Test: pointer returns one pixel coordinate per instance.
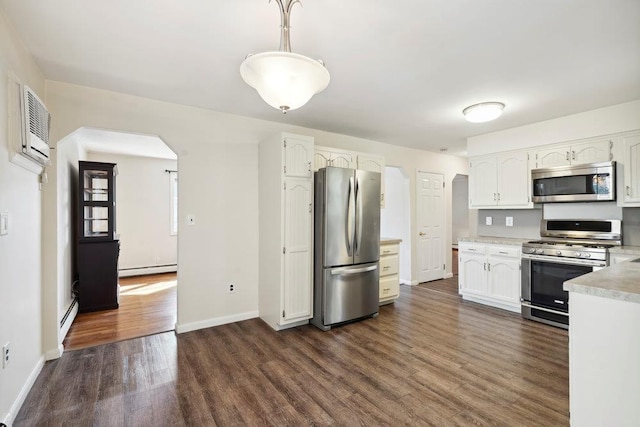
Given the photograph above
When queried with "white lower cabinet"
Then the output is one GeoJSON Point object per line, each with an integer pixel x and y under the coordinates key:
{"type": "Point", "coordinates": [389, 271]}
{"type": "Point", "coordinates": [490, 274]}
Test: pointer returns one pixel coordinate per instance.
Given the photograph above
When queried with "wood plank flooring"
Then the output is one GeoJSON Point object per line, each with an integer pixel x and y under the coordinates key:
{"type": "Point", "coordinates": [147, 306]}
{"type": "Point", "coordinates": [427, 359]}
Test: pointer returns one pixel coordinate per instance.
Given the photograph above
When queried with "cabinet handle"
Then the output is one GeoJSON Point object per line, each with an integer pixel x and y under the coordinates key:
{"type": "Point", "coordinates": [498, 196]}
{"type": "Point", "coordinates": [628, 190]}
{"type": "Point", "coordinates": [573, 155]}
{"type": "Point", "coordinates": [472, 250]}
{"type": "Point", "coordinates": [485, 266]}
{"type": "Point", "coordinates": [386, 267]}
{"type": "Point", "coordinates": [386, 252]}
{"type": "Point", "coordinates": [494, 196]}
{"type": "Point", "coordinates": [489, 266]}
{"type": "Point", "coordinates": [503, 253]}
{"type": "Point", "coordinates": [567, 156]}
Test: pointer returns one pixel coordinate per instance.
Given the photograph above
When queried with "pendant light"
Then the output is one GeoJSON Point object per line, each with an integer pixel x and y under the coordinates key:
{"type": "Point", "coordinates": [285, 80]}
{"type": "Point", "coordinates": [483, 112]}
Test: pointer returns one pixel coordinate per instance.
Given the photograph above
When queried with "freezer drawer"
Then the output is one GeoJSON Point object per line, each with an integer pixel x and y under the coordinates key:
{"type": "Point", "coordinates": [350, 292]}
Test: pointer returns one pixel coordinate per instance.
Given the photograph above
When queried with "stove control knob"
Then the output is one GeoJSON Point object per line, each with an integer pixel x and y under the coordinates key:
{"type": "Point", "coordinates": [539, 251]}
{"type": "Point", "coordinates": [587, 255]}
{"type": "Point", "coordinates": [578, 254]}
{"type": "Point", "coordinates": [558, 253]}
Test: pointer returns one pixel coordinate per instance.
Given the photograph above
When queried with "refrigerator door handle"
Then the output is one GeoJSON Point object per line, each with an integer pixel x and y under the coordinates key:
{"type": "Point", "coordinates": [350, 217]}
{"type": "Point", "coordinates": [358, 239]}
{"type": "Point", "coordinates": [350, 270]}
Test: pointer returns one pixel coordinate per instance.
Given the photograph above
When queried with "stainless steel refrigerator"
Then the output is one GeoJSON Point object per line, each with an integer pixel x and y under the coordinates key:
{"type": "Point", "coordinates": [347, 245]}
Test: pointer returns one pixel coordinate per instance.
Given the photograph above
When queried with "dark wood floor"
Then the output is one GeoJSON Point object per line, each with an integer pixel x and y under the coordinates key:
{"type": "Point", "coordinates": [428, 359]}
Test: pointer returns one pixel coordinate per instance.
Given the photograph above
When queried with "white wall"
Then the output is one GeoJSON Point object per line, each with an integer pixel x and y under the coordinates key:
{"type": "Point", "coordinates": [218, 162]}
{"type": "Point", "coordinates": [20, 250]}
{"type": "Point", "coordinates": [395, 217]}
{"type": "Point", "coordinates": [143, 206]}
{"type": "Point", "coordinates": [603, 121]}
{"type": "Point", "coordinates": [460, 208]}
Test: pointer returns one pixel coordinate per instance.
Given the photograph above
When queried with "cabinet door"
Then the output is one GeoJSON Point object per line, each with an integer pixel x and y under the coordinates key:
{"type": "Point", "coordinates": [389, 287]}
{"type": "Point", "coordinates": [343, 160]}
{"type": "Point", "coordinates": [321, 159]}
{"type": "Point", "coordinates": [504, 279]}
{"type": "Point", "coordinates": [483, 185]}
{"type": "Point", "coordinates": [298, 232]}
{"type": "Point", "coordinates": [297, 157]}
{"type": "Point", "coordinates": [591, 152]}
{"type": "Point", "coordinates": [472, 276]}
{"type": "Point", "coordinates": [373, 164]}
{"type": "Point", "coordinates": [513, 179]}
{"type": "Point", "coordinates": [631, 169]}
{"type": "Point", "coordinates": [554, 156]}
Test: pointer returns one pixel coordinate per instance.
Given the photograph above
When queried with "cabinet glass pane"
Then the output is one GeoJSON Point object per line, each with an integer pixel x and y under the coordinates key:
{"type": "Point", "coordinates": [96, 221]}
{"type": "Point", "coordinates": [96, 186]}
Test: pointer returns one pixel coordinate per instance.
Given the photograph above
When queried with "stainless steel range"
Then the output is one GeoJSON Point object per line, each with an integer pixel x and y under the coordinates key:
{"type": "Point", "coordinates": [568, 249]}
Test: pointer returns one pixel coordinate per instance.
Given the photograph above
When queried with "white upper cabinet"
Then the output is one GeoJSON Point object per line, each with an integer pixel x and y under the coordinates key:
{"type": "Point", "coordinates": [593, 151]}
{"type": "Point", "coordinates": [631, 164]}
{"type": "Point", "coordinates": [500, 181]}
{"type": "Point", "coordinates": [372, 163]}
{"type": "Point", "coordinates": [324, 157]}
{"type": "Point", "coordinates": [298, 155]}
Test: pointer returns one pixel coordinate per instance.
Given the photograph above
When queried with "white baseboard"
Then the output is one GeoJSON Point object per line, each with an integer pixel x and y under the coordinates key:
{"type": "Point", "coordinates": [216, 321]}
{"type": "Point", "coordinates": [10, 417]}
{"type": "Point", "coordinates": [448, 276]}
{"type": "Point", "coordinates": [147, 270]}
{"type": "Point", "coordinates": [55, 353]}
{"type": "Point", "coordinates": [405, 282]}
{"type": "Point", "coordinates": [414, 283]}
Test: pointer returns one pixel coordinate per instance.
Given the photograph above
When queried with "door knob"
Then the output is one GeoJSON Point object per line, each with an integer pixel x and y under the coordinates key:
{"type": "Point", "coordinates": [422, 234]}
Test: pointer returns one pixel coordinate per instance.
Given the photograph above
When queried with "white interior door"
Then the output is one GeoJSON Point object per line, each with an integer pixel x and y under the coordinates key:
{"type": "Point", "coordinates": [430, 225]}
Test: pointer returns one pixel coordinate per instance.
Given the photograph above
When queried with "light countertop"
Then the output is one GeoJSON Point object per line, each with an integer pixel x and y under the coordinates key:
{"type": "Point", "coordinates": [620, 281]}
{"type": "Point", "coordinates": [389, 240]}
{"type": "Point", "coordinates": [625, 249]}
{"type": "Point", "coordinates": [494, 240]}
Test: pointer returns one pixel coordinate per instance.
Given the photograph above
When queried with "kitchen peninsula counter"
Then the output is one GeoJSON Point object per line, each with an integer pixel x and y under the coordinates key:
{"type": "Point", "coordinates": [604, 349]}
{"type": "Point", "coordinates": [620, 282]}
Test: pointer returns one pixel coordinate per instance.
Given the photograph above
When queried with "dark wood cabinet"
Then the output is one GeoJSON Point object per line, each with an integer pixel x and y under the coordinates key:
{"type": "Point", "coordinates": [98, 247]}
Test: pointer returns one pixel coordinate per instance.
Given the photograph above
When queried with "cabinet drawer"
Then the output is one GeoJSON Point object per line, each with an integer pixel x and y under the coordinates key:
{"type": "Point", "coordinates": [389, 286]}
{"type": "Point", "coordinates": [474, 248]}
{"type": "Point", "coordinates": [388, 265]}
{"type": "Point", "coordinates": [508, 251]}
{"type": "Point", "coordinates": [389, 249]}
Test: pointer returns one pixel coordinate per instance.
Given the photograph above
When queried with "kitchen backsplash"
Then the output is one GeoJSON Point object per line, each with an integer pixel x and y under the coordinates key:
{"type": "Point", "coordinates": [526, 223]}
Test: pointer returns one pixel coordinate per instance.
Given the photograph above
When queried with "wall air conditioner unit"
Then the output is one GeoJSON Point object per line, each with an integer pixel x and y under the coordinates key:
{"type": "Point", "coordinates": [36, 122]}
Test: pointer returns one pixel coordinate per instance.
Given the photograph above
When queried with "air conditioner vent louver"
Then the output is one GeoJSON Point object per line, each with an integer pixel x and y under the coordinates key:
{"type": "Point", "coordinates": [39, 118]}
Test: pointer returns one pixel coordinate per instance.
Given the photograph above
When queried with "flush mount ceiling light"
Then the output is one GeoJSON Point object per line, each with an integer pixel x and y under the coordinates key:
{"type": "Point", "coordinates": [483, 112]}
{"type": "Point", "coordinates": [285, 80]}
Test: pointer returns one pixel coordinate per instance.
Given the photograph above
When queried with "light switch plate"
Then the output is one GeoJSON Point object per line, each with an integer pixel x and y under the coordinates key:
{"type": "Point", "coordinates": [488, 220]}
{"type": "Point", "coordinates": [509, 221]}
{"type": "Point", "coordinates": [4, 223]}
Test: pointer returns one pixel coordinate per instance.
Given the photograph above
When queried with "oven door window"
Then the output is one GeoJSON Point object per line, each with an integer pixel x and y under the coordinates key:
{"type": "Point", "coordinates": [547, 278]}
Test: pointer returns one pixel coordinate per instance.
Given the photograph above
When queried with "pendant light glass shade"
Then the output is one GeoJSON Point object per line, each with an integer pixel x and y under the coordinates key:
{"type": "Point", "coordinates": [483, 112]}
{"type": "Point", "coordinates": [285, 80]}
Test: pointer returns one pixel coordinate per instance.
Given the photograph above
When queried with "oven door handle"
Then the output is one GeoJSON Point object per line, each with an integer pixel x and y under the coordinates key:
{"type": "Point", "coordinates": [526, 304]}
{"type": "Point", "coordinates": [560, 260]}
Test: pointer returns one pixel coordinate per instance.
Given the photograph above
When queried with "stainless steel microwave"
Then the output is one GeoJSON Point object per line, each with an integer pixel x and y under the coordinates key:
{"type": "Point", "coordinates": [595, 182]}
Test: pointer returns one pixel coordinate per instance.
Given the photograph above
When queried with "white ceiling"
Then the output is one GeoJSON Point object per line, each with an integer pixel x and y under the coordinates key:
{"type": "Point", "coordinates": [401, 71]}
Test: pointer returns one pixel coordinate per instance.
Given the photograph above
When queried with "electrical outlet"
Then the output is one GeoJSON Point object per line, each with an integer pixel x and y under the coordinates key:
{"type": "Point", "coordinates": [5, 355]}
{"type": "Point", "coordinates": [191, 219]}
{"type": "Point", "coordinates": [232, 288]}
{"type": "Point", "coordinates": [488, 220]}
{"type": "Point", "coordinates": [509, 221]}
